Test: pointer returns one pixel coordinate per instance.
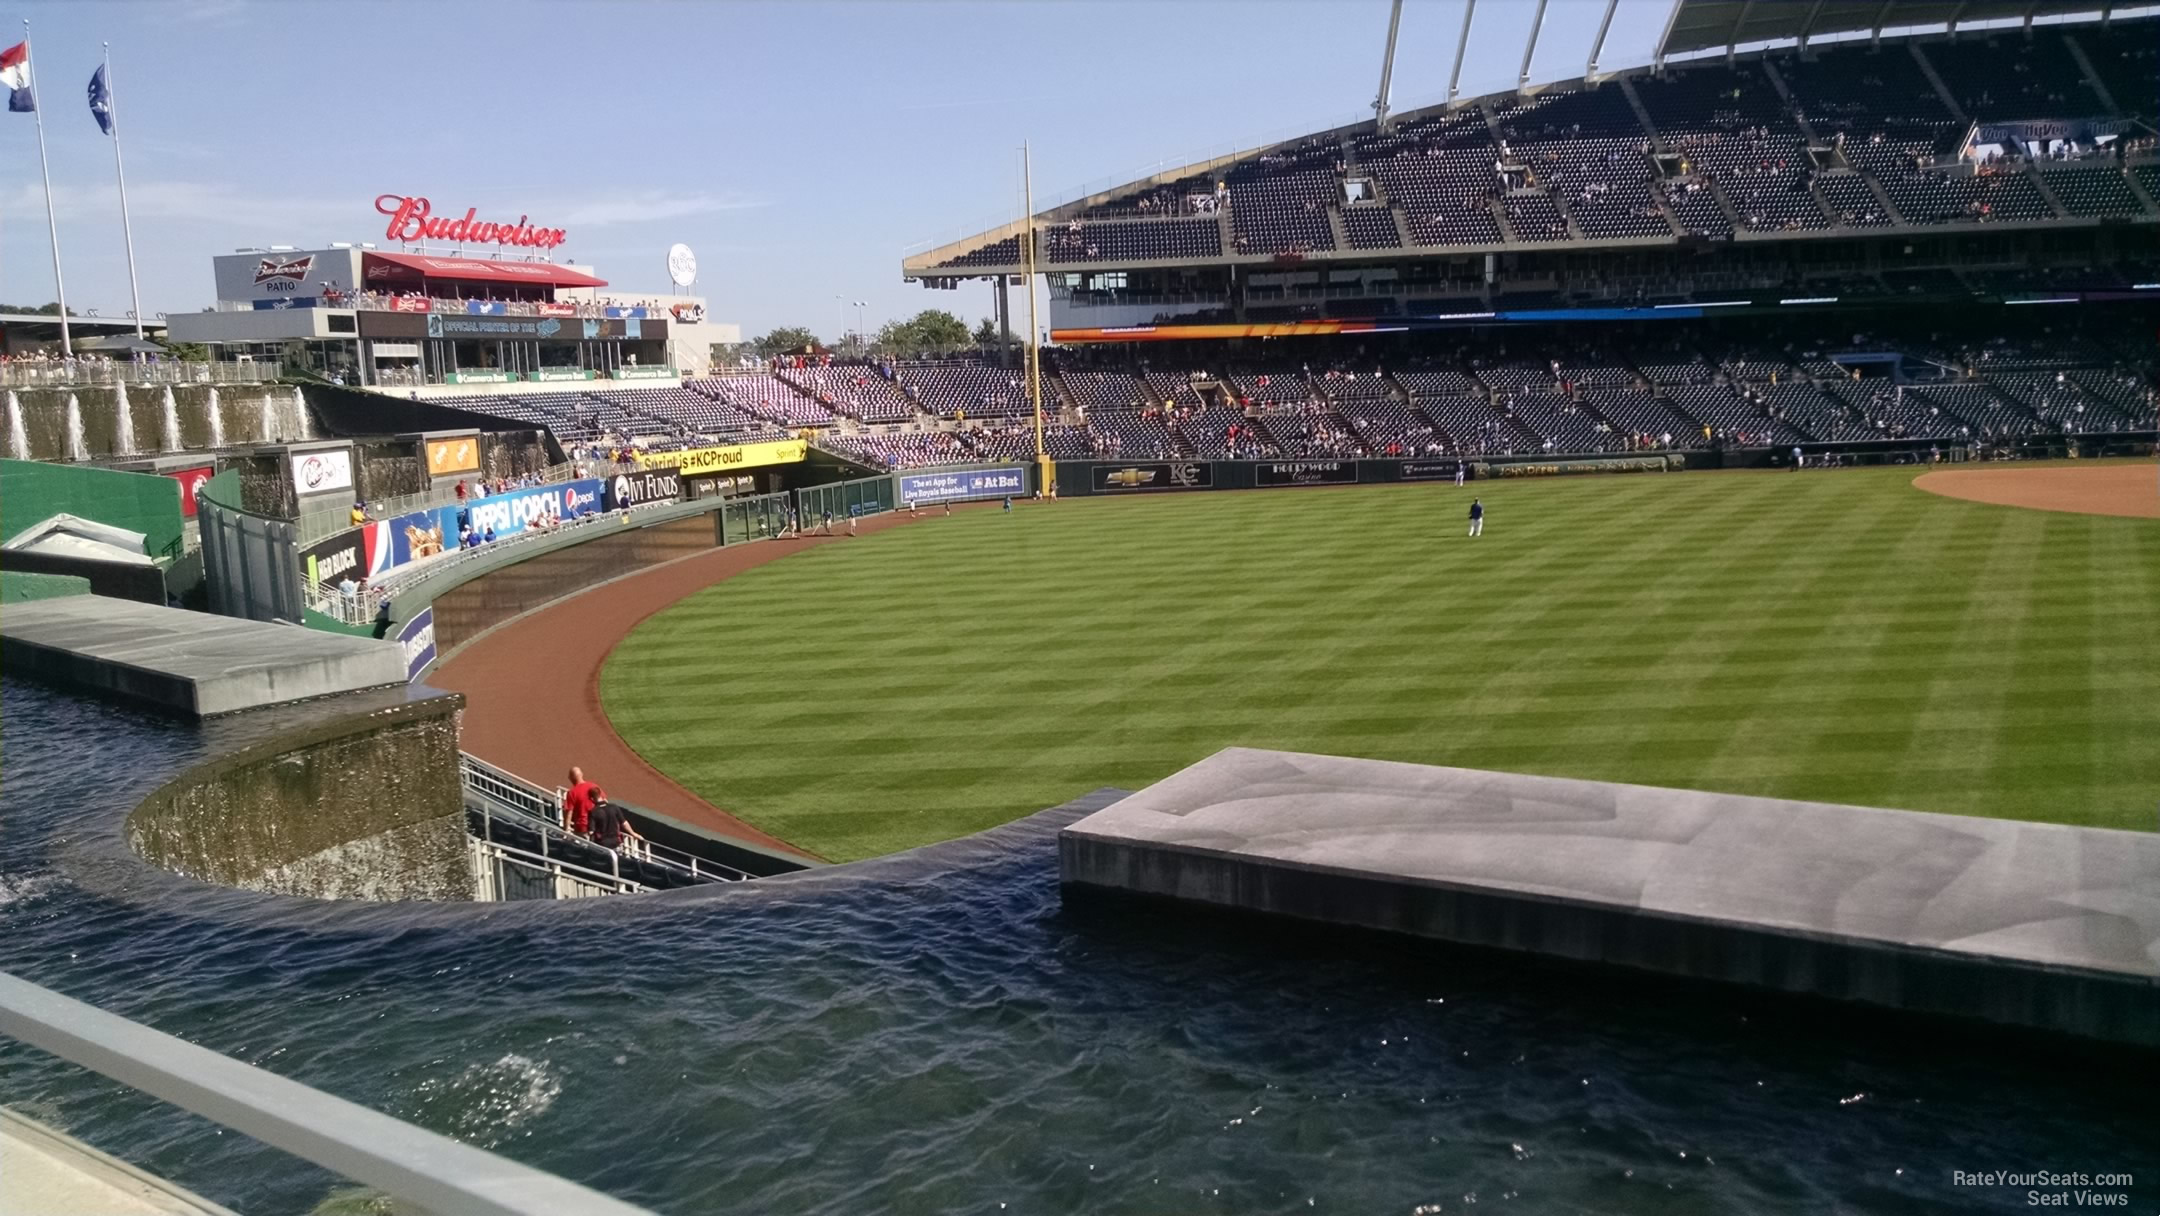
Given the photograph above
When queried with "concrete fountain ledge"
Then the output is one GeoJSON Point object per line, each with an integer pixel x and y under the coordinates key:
{"type": "Point", "coordinates": [188, 662]}
{"type": "Point", "coordinates": [2026, 924]}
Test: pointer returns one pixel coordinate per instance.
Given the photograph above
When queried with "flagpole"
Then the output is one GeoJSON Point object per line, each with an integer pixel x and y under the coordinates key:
{"type": "Point", "coordinates": [127, 226]}
{"type": "Point", "coordinates": [52, 225]}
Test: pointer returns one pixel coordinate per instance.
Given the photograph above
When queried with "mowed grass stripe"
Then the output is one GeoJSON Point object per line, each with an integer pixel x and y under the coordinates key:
{"type": "Point", "coordinates": [1841, 637]}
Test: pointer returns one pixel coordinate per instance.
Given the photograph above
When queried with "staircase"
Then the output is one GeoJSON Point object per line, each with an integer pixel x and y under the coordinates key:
{"type": "Point", "coordinates": [1941, 90]}
{"type": "Point", "coordinates": [1642, 113]}
{"type": "Point", "coordinates": [2039, 181]}
{"type": "Point", "coordinates": [2092, 78]}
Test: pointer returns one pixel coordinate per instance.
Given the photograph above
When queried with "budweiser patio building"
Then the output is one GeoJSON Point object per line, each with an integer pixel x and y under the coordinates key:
{"type": "Point", "coordinates": [464, 301]}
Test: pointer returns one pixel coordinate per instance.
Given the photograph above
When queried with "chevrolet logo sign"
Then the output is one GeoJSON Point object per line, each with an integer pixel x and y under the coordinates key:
{"type": "Point", "coordinates": [1132, 477]}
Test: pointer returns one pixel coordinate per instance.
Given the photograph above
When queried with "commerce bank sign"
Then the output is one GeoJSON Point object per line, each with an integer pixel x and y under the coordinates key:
{"type": "Point", "coordinates": [413, 218]}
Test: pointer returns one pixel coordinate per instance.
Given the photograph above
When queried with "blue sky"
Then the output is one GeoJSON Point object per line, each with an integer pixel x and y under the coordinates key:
{"type": "Point", "coordinates": [800, 148]}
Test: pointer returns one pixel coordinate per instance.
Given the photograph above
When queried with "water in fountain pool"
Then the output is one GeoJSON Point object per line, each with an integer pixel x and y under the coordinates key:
{"type": "Point", "coordinates": [952, 1038]}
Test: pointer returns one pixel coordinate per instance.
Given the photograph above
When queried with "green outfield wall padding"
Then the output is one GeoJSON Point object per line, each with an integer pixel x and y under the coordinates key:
{"type": "Point", "coordinates": [32, 492]}
{"type": "Point", "coordinates": [21, 587]}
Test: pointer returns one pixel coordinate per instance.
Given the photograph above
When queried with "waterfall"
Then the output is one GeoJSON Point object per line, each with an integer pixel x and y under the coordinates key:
{"type": "Point", "coordinates": [304, 427]}
{"type": "Point", "coordinates": [123, 422]}
{"type": "Point", "coordinates": [169, 425]}
{"type": "Point", "coordinates": [76, 449]}
{"type": "Point", "coordinates": [18, 439]}
{"type": "Point", "coordinates": [266, 419]}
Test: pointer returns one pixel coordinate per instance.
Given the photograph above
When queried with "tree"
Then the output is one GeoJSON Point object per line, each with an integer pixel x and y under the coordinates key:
{"type": "Point", "coordinates": [787, 340]}
{"type": "Point", "coordinates": [933, 331]}
{"type": "Point", "coordinates": [187, 352]}
{"type": "Point", "coordinates": [42, 310]}
{"type": "Point", "coordinates": [939, 332]}
{"type": "Point", "coordinates": [987, 336]}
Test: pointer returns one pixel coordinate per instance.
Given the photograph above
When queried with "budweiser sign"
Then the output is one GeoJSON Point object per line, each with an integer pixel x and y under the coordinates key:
{"type": "Point", "coordinates": [283, 271]}
{"type": "Point", "coordinates": [413, 219]}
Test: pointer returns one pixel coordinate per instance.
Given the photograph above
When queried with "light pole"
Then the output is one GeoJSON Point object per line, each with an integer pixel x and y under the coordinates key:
{"type": "Point", "coordinates": [861, 336]}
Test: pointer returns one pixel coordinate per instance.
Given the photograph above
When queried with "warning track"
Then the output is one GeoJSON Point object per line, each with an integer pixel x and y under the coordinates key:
{"type": "Point", "coordinates": [532, 686]}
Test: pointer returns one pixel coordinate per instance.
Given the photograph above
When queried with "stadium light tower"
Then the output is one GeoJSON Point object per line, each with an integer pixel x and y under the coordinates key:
{"type": "Point", "coordinates": [1387, 70]}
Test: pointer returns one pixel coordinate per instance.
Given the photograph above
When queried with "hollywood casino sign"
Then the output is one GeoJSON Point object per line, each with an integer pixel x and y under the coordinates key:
{"type": "Point", "coordinates": [412, 219]}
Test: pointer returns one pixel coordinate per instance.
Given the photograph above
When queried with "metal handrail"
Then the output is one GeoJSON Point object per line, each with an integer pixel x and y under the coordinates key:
{"type": "Point", "coordinates": [414, 1165]}
{"type": "Point", "coordinates": [608, 884]}
{"type": "Point", "coordinates": [514, 795]}
{"type": "Point", "coordinates": [32, 373]}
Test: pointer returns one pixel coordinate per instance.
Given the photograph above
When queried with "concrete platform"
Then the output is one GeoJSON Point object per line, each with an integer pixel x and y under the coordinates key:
{"type": "Point", "coordinates": [2025, 924]}
{"type": "Point", "coordinates": [53, 1174]}
{"type": "Point", "coordinates": [189, 662]}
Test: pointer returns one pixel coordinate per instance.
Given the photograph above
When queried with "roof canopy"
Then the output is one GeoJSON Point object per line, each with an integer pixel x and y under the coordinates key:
{"type": "Point", "coordinates": [413, 267]}
{"type": "Point", "coordinates": [1701, 25]}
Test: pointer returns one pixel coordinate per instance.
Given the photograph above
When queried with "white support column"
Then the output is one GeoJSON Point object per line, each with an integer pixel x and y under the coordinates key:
{"type": "Point", "coordinates": [1598, 46]}
{"type": "Point", "coordinates": [1462, 43]}
{"type": "Point", "coordinates": [1537, 23]}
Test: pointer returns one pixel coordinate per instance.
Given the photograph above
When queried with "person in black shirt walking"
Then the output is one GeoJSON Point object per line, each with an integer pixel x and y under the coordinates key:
{"type": "Point", "coordinates": [611, 828]}
{"type": "Point", "coordinates": [1477, 518]}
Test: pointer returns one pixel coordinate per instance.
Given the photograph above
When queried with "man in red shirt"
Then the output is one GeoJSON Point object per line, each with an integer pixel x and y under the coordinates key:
{"type": "Point", "coordinates": [578, 802]}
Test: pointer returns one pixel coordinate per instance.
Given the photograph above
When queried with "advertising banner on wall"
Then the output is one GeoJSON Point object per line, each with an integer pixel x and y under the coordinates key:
{"type": "Point", "coordinates": [626, 490]}
{"type": "Point", "coordinates": [418, 639]}
{"type": "Point", "coordinates": [355, 553]}
{"type": "Point", "coordinates": [448, 456]}
{"type": "Point", "coordinates": [696, 462]}
{"type": "Point", "coordinates": [441, 326]}
{"type": "Point", "coordinates": [1182, 475]}
{"type": "Point", "coordinates": [1429, 470]}
{"type": "Point", "coordinates": [422, 534]}
{"type": "Point", "coordinates": [1305, 473]}
{"type": "Point", "coordinates": [965, 484]}
{"type": "Point", "coordinates": [323, 472]}
{"type": "Point", "coordinates": [190, 481]}
{"type": "Point", "coordinates": [512, 513]}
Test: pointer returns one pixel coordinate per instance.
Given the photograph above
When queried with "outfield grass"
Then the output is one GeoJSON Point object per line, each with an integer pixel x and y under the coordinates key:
{"type": "Point", "coordinates": [1837, 636]}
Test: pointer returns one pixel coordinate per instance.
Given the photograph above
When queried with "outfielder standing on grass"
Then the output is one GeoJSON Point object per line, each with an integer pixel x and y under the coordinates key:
{"type": "Point", "coordinates": [1477, 517]}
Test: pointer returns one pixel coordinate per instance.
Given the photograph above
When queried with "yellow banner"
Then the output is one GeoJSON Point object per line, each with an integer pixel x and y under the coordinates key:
{"type": "Point", "coordinates": [697, 462]}
{"type": "Point", "coordinates": [446, 456]}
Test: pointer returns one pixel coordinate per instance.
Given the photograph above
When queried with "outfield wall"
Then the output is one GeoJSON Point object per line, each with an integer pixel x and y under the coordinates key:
{"type": "Point", "coordinates": [1084, 478]}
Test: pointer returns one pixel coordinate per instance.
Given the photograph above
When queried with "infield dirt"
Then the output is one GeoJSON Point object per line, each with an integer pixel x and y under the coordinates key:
{"type": "Point", "coordinates": [2111, 489]}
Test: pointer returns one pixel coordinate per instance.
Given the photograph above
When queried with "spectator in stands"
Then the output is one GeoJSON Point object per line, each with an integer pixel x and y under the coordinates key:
{"type": "Point", "coordinates": [579, 801]}
{"type": "Point", "coordinates": [611, 826]}
{"type": "Point", "coordinates": [359, 514]}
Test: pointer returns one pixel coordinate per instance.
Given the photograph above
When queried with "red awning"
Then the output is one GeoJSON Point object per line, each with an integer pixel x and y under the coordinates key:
{"type": "Point", "coordinates": [393, 267]}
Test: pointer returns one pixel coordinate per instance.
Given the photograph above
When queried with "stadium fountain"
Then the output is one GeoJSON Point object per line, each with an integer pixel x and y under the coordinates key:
{"type": "Point", "coordinates": [76, 448]}
{"type": "Point", "coordinates": [952, 1035]}
{"type": "Point", "coordinates": [303, 427]}
{"type": "Point", "coordinates": [123, 422]}
{"type": "Point", "coordinates": [169, 425]}
{"type": "Point", "coordinates": [266, 420]}
{"type": "Point", "coordinates": [18, 438]}
{"type": "Point", "coordinates": [217, 420]}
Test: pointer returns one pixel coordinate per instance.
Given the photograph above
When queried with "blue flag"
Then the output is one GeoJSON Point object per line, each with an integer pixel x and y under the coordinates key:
{"type": "Point", "coordinates": [101, 100]}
